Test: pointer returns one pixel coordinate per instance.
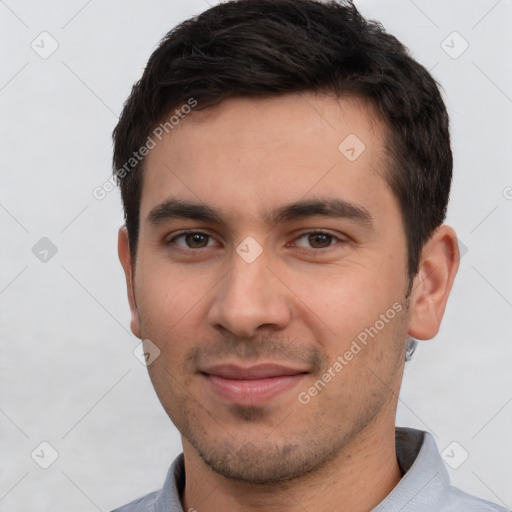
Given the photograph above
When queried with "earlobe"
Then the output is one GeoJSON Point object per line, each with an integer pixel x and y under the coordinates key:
{"type": "Point", "coordinates": [123, 249]}
{"type": "Point", "coordinates": [433, 283]}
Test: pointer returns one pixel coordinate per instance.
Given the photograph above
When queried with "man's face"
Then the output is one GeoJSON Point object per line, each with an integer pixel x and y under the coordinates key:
{"type": "Point", "coordinates": [267, 254]}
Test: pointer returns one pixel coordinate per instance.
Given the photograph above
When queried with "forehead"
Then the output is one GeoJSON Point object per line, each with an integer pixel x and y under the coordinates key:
{"type": "Point", "coordinates": [246, 154]}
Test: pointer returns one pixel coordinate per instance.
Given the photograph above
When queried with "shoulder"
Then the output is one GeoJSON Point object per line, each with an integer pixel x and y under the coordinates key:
{"type": "Point", "coordinates": [460, 501]}
{"type": "Point", "coordinates": [166, 499]}
{"type": "Point", "coordinates": [426, 485]}
{"type": "Point", "coordinates": [145, 504]}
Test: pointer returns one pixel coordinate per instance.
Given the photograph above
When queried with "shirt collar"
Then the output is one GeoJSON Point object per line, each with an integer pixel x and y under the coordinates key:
{"type": "Point", "coordinates": [425, 483]}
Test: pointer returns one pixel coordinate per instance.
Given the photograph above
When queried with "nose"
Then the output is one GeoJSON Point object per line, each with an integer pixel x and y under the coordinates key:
{"type": "Point", "coordinates": [250, 297]}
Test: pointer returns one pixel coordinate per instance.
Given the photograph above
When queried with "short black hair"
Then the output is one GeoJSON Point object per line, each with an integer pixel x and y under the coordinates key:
{"type": "Point", "coordinates": [272, 47]}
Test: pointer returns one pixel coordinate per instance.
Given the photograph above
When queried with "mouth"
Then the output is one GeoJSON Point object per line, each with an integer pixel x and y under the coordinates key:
{"type": "Point", "coordinates": [253, 385]}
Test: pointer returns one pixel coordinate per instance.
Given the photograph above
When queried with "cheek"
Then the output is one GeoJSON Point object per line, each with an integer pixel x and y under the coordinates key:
{"type": "Point", "coordinates": [347, 300]}
{"type": "Point", "coordinates": [169, 304]}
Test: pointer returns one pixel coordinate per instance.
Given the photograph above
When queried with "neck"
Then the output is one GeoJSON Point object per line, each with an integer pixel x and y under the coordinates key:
{"type": "Point", "coordinates": [358, 480]}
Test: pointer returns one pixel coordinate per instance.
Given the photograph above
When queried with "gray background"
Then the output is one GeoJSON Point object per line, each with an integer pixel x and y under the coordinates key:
{"type": "Point", "coordinates": [68, 373]}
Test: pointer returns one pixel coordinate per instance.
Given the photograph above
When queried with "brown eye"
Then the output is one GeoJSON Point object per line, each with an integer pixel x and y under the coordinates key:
{"type": "Point", "coordinates": [320, 240]}
{"type": "Point", "coordinates": [192, 240]}
{"type": "Point", "coordinates": [196, 240]}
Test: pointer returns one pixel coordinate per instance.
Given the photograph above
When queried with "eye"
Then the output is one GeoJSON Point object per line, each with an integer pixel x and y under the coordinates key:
{"type": "Point", "coordinates": [192, 240]}
{"type": "Point", "coordinates": [316, 240]}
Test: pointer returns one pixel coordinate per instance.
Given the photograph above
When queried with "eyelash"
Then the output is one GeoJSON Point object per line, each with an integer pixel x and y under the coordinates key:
{"type": "Point", "coordinates": [313, 232]}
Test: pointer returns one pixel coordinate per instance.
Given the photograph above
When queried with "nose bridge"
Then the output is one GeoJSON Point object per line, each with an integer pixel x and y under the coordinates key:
{"type": "Point", "coordinates": [249, 296]}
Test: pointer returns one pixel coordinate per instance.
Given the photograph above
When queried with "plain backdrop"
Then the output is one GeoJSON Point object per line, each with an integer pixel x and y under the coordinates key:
{"type": "Point", "coordinates": [69, 377]}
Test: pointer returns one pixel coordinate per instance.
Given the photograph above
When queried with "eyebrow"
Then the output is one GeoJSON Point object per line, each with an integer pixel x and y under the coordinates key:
{"type": "Point", "coordinates": [333, 208]}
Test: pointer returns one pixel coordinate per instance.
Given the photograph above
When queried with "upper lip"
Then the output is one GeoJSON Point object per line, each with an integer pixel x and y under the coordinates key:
{"type": "Point", "coordinates": [260, 371]}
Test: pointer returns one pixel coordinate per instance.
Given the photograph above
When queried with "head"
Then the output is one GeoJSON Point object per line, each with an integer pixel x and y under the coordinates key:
{"type": "Point", "coordinates": [286, 211]}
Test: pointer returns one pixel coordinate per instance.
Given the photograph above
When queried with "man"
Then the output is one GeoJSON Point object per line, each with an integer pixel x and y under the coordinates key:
{"type": "Point", "coordinates": [285, 169]}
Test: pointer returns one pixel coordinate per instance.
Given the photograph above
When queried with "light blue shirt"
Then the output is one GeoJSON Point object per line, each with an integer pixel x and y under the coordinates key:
{"type": "Point", "coordinates": [425, 486]}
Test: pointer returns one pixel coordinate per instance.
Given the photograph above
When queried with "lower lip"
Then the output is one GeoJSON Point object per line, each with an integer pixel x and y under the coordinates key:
{"type": "Point", "coordinates": [252, 392]}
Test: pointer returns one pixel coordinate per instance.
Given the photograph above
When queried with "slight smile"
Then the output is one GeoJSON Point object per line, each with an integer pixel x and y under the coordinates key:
{"type": "Point", "coordinates": [253, 385]}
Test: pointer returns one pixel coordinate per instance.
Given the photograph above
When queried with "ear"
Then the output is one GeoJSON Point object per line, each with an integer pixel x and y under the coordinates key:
{"type": "Point", "coordinates": [123, 249]}
{"type": "Point", "coordinates": [432, 285]}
